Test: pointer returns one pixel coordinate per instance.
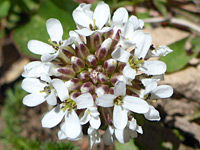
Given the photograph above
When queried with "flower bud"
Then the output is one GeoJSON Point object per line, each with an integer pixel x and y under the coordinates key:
{"type": "Point", "coordinates": [84, 76]}
{"type": "Point", "coordinates": [102, 78]}
{"type": "Point", "coordinates": [87, 87]}
{"type": "Point", "coordinates": [110, 66]}
{"type": "Point", "coordinates": [75, 94]}
{"type": "Point", "coordinates": [91, 60]}
{"type": "Point", "coordinates": [116, 77]}
{"type": "Point", "coordinates": [101, 89]}
{"type": "Point", "coordinates": [66, 52]}
{"type": "Point", "coordinates": [82, 51]}
{"type": "Point", "coordinates": [65, 72]}
{"type": "Point", "coordinates": [77, 64]}
{"type": "Point", "coordinates": [73, 84]}
{"type": "Point", "coordinates": [102, 52]}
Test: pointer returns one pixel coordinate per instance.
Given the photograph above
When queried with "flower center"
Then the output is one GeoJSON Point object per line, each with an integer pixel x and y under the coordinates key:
{"type": "Point", "coordinates": [69, 104]}
{"type": "Point", "coordinates": [135, 62]}
{"type": "Point", "coordinates": [118, 100]}
{"type": "Point", "coordinates": [93, 27]}
{"type": "Point", "coordinates": [47, 90]}
{"type": "Point", "coordinates": [54, 44]}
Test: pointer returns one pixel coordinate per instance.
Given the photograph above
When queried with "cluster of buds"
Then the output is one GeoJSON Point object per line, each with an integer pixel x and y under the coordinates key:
{"type": "Point", "coordinates": [101, 75]}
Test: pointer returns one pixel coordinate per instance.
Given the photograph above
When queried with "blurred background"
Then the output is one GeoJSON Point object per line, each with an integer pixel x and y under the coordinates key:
{"type": "Point", "coordinates": [175, 23]}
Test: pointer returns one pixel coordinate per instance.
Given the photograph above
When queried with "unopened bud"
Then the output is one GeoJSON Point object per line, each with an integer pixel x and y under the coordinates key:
{"type": "Point", "coordinates": [73, 84]}
{"type": "Point", "coordinates": [102, 78]}
{"type": "Point", "coordinates": [87, 87]}
{"type": "Point", "coordinates": [75, 94]}
{"type": "Point", "coordinates": [91, 60]}
{"type": "Point", "coordinates": [116, 77]}
{"type": "Point", "coordinates": [77, 64]}
{"type": "Point", "coordinates": [101, 89]}
{"type": "Point", "coordinates": [66, 52]}
{"type": "Point", "coordinates": [65, 72]}
{"type": "Point", "coordinates": [102, 52]}
{"type": "Point", "coordinates": [110, 66]}
{"type": "Point", "coordinates": [84, 76]}
{"type": "Point", "coordinates": [82, 51]}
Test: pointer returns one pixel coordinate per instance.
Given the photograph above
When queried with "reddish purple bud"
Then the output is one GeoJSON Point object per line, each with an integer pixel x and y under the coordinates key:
{"type": "Point", "coordinates": [75, 94]}
{"type": "Point", "coordinates": [82, 51]}
{"type": "Point", "coordinates": [87, 87]}
{"type": "Point", "coordinates": [110, 66]}
{"type": "Point", "coordinates": [66, 72]}
{"type": "Point", "coordinates": [121, 66]}
{"type": "Point", "coordinates": [97, 41]}
{"type": "Point", "coordinates": [73, 84]}
{"type": "Point", "coordinates": [77, 64]}
{"type": "Point", "coordinates": [114, 78]}
{"type": "Point", "coordinates": [102, 78]}
{"type": "Point", "coordinates": [84, 76]}
{"type": "Point", "coordinates": [101, 89]}
{"type": "Point", "coordinates": [91, 61]}
{"type": "Point", "coordinates": [102, 53]}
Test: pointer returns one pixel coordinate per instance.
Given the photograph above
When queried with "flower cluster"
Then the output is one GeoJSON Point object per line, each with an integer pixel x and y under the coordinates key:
{"type": "Point", "coordinates": [102, 75]}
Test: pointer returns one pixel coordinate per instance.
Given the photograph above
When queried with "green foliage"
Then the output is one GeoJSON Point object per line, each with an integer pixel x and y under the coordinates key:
{"type": "Point", "coordinates": [4, 8]}
{"type": "Point", "coordinates": [12, 116]}
{"type": "Point", "coordinates": [161, 6]}
{"type": "Point", "coordinates": [179, 58]}
{"type": "Point", "coordinates": [36, 27]}
{"type": "Point", "coordinates": [127, 146]}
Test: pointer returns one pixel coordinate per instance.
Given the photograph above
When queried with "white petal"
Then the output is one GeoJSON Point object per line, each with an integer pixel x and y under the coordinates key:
{"type": "Point", "coordinates": [135, 104]}
{"type": "Point", "coordinates": [53, 117]}
{"type": "Point", "coordinates": [120, 88]}
{"type": "Point", "coordinates": [122, 135]}
{"type": "Point", "coordinates": [128, 72]}
{"type": "Point", "coordinates": [95, 122]}
{"type": "Point", "coordinates": [93, 111]}
{"type": "Point", "coordinates": [84, 101]}
{"type": "Point", "coordinates": [105, 100]}
{"type": "Point", "coordinates": [161, 51]}
{"type": "Point", "coordinates": [132, 124]}
{"type": "Point", "coordinates": [38, 47]}
{"type": "Point", "coordinates": [81, 18]}
{"type": "Point", "coordinates": [47, 57]}
{"type": "Point", "coordinates": [128, 30]}
{"type": "Point", "coordinates": [32, 85]}
{"type": "Point", "coordinates": [61, 89]}
{"type": "Point", "coordinates": [51, 99]}
{"type": "Point", "coordinates": [85, 32]}
{"type": "Point", "coordinates": [152, 114]}
{"type": "Point", "coordinates": [139, 129]}
{"type": "Point", "coordinates": [153, 67]}
{"type": "Point", "coordinates": [120, 16]}
{"type": "Point", "coordinates": [61, 135]}
{"type": "Point", "coordinates": [108, 136]}
{"type": "Point", "coordinates": [54, 29]}
{"type": "Point", "coordinates": [162, 91]}
{"type": "Point", "coordinates": [121, 55]}
{"type": "Point", "coordinates": [85, 118]}
{"type": "Point", "coordinates": [150, 87]}
{"type": "Point", "coordinates": [35, 99]}
{"type": "Point", "coordinates": [120, 118]}
{"type": "Point", "coordinates": [101, 14]}
{"type": "Point", "coordinates": [143, 42]}
{"type": "Point", "coordinates": [72, 126]}
{"type": "Point", "coordinates": [105, 29]}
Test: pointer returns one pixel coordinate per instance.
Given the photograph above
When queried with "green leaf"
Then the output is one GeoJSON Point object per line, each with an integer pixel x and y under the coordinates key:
{"type": "Point", "coordinates": [160, 5]}
{"type": "Point", "coordinates": [36, 27]}
{"type": "Point", "coordinates": [4, 8]}
{"type": "Point", "coordinates": [127, 146]}
{"type": "Point", "coordinates": [179, 58]}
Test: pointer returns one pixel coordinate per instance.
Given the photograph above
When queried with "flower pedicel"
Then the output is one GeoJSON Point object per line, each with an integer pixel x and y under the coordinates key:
{"type": "Point", "coordinates": [101, 75]}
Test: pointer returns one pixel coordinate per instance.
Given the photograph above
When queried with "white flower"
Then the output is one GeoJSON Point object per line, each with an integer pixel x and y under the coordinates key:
{"type": "Point", "coordinates": [44, 89]}
{"type": "Point", "coordinates": [134, 63]}
{"type": "Point", "coordinates": [71, 128]}
{"type": "Point", "coordinates": [89, 22]}
{"type": "Point", "coordinates": [160, 51]}
{"type": "Point", "coordinates": [36, 69]}
{"type": "Point", "coordinates": [122, 104]}
{"type": "Point", "coordinates": [50, 52]}
{"type": "Point", "coordinates": [91, 114]}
